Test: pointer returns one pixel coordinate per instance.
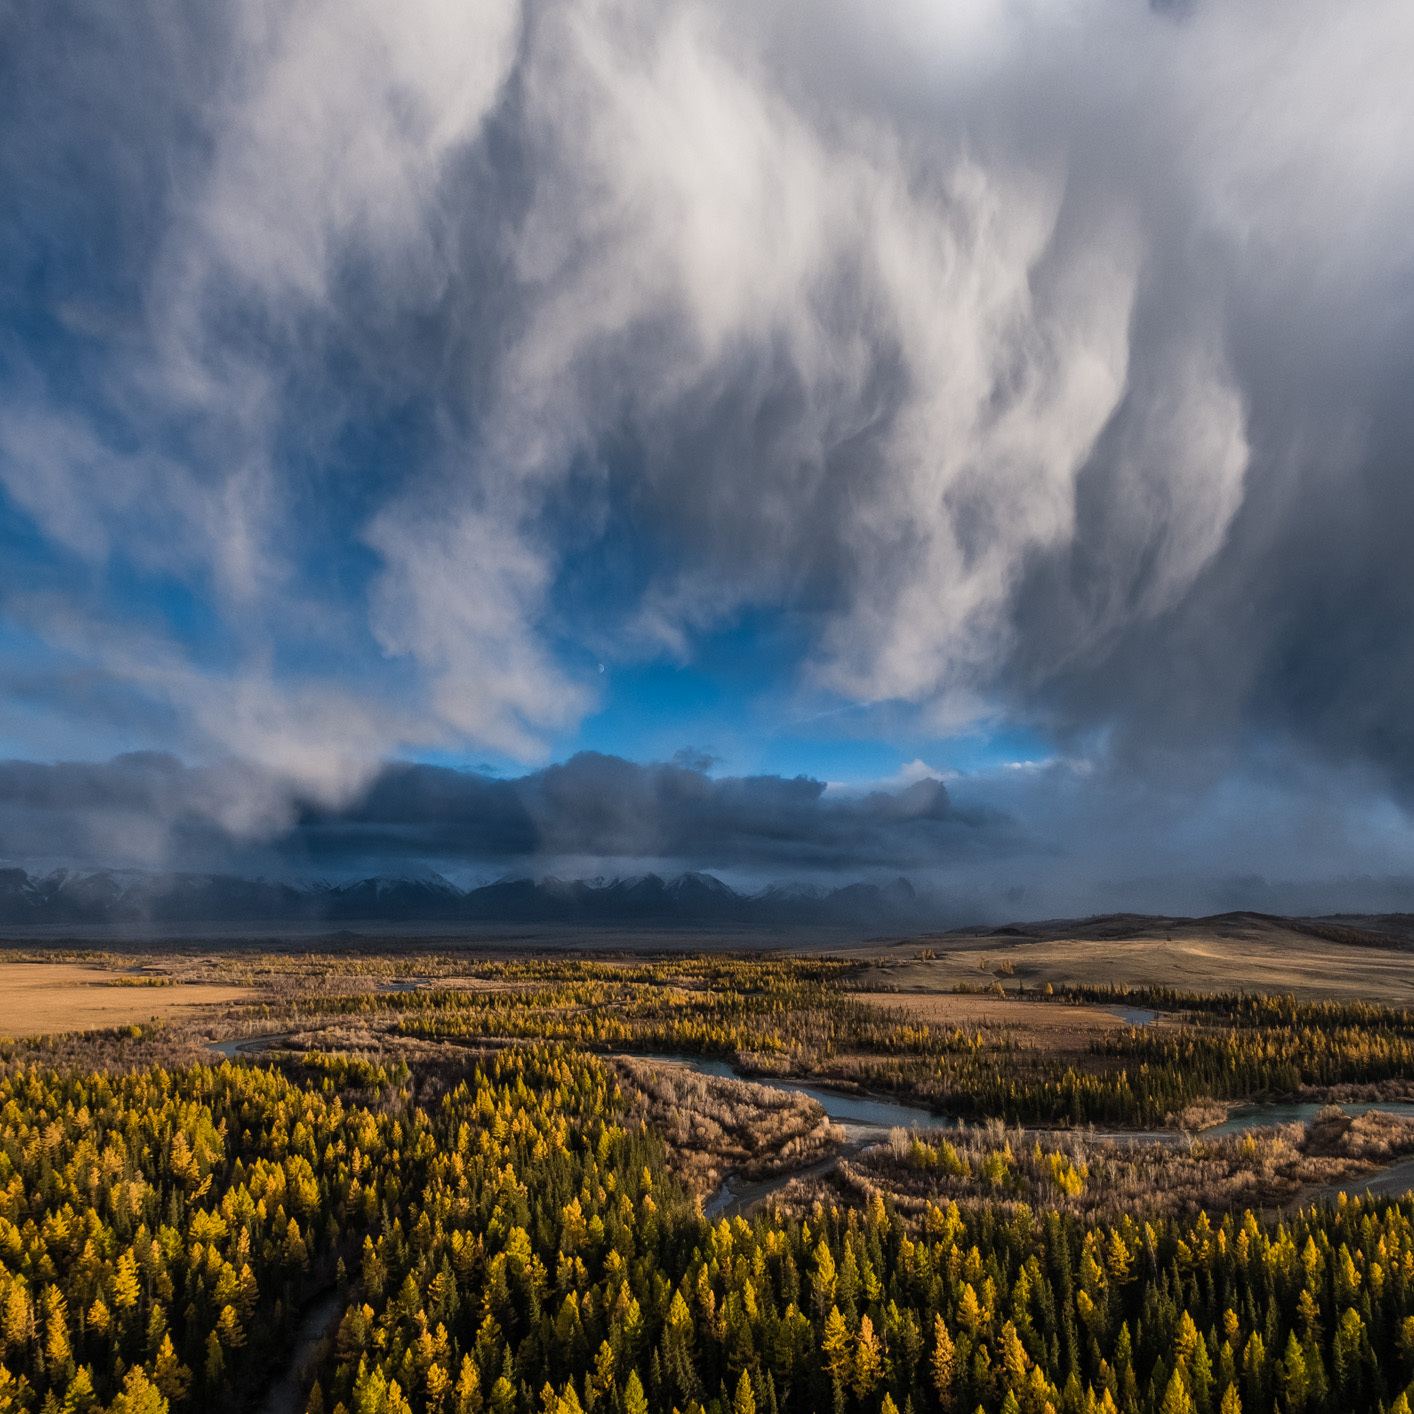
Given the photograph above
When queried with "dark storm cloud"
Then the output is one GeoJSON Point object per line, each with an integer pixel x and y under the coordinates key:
{"type": "Point", "coordinates": [141, 809]}
{"type": "Point", "coordinates": [596, 807]}
{"type": "Point", "coordinates": [149, 809]}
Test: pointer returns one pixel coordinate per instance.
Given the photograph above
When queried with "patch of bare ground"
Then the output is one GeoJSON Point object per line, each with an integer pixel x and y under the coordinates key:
{"type": "Point", "coordinates": [1099, 1177]}
{"type": "Point", "coordinates": [37, 998]}
{"type": "Point", "coordinates": [716, 1126]}
{"type": "Point", "coordinates": [372, 1041]}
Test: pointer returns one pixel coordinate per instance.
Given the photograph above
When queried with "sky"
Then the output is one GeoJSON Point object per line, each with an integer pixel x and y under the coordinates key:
{"type": "Point", "coordinates": [818, 441]}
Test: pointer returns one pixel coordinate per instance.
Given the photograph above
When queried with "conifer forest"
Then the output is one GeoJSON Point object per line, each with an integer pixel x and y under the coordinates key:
{"type": "Point", "coordinates": [433, 1184]}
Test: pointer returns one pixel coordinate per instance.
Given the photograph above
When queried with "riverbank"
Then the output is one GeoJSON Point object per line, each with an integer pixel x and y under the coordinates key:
{"type": "Point", "coordinates": [1212, 1167]}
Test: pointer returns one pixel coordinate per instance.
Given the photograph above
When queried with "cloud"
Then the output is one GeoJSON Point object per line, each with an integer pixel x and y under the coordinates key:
{"type": "Point", "coordinates": [141, 810]}
{"type": "Point", "coordinates": [1045, 841]}
{"type": "Point", "coordinates": [1040, 363]}
{"type": "Point", "coordinates": [595, 809]}
{"type": "Point", "coordinates": [149, 810]}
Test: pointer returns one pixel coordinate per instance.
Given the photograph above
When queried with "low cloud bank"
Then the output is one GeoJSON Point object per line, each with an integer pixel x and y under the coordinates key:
{"type": "Point", "coordinates": [149, 810]}
{"type": "Point", "coordinates": [1047, 840]}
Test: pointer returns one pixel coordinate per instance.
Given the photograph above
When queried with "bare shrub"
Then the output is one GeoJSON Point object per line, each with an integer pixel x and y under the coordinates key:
{"type": "Point", "coordinates": [717, 1126]}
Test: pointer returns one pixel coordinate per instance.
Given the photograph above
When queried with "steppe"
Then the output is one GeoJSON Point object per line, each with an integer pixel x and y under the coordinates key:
{"type": "Point", "coordinates": [40, 997]}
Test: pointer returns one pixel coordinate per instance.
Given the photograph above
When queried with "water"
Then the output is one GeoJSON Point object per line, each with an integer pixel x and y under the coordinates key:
{"type": "Point", "coordinates": [1392, 1182]}
{"type": "Point", "coordinates": [244, 1045]}
{"type": "Point", "coordinates": [719, 1204]}
{"type": "Point", "coordinates": [1246, 1117]}
{"type": "Point", "coordinates": [1134, 1015]}
{"type": "Point", "coordinates": [863, 1111]}
{"type": "Point", "coordinates": [866, 1110]}
{"type": "Point", "coordinates": [871, 1112]}
{"type": "Point", "coordinates": [721, 1069]}
{"type": "Point", "coordinates": [738, 1195]}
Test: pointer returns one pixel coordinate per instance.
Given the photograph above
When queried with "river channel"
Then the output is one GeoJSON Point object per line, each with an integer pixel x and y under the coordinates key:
{"type": "Point", "coordinates": [866, 1119]}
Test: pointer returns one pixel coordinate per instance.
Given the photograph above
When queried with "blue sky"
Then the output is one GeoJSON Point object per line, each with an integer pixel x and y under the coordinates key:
{"type": "Point", "coordinates": [736, 696]}
{"type": "Point", "coordinates": [1011, 392]}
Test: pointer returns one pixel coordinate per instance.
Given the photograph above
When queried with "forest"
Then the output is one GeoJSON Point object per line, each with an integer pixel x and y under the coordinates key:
{"type": "Point", "coordinates": [490, 1181]}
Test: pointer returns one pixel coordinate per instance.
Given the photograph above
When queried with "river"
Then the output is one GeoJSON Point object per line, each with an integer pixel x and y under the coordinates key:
{"type": "Point", "coordinates": [867, 1119]}
{"type": "Point", "coordinates": [1245, 1117]}
{"type": "Point", "coordinates": [852, 1110]}
{"type": "Point", "coordinates": [245, 1045]}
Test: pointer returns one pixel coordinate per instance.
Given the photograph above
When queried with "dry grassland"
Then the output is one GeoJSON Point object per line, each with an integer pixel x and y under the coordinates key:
{"type": "Point", "coordinates": [1270, 960]}
{"type": "Point", "coordinates": [40, 997]}
{"type": "Point", "coordinates": [1050, 1024]}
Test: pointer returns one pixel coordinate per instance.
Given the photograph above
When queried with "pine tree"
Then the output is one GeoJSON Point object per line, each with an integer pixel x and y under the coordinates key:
{"type": "Point", "coordinates": [1346, 1351]}
{"type": "Point", "coordinates": [79, 1398]}
{"type": "Point", "coordinates": [466, 1398]}
{"type": "Point", "coordinates": [823, 1282]}
{"type": "Point", "coordinates": [944, 1374]}
{"type": "Point", "coordinates": [1014, 1358]}
{"type": "Point", "coordinates": [56, 1333]}
{"type": "Point", "coordinates": [125, 1283]}
{"type": "Point", "coordinates": [969, 1310]}
{"type": "Point", "coordinates": [169, 1374]}
{"type": "Point", "coordinates": [745, 1399]}
{"type": "Point", "coordinates": [216, 1363]}
{"type": "Point", "coordinates": [228, 1329]}
{"type": "Point", "coordinates": [868, 1359]}
{"type": "Point", "coordinates": [138, 1396]}
{"type": "Point", "coordinates": [635, 1402]}
{"type": "Point", "coordinates": [1176, 1399]}
{"type": "Point", "coordinates": [835, 1346]}
{"type": "Point", "coordinates": [1292, 1376]}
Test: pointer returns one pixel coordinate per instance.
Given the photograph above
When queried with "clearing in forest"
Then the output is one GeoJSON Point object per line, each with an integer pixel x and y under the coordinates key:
{"type": "Point", "coordinates": [41, 997]}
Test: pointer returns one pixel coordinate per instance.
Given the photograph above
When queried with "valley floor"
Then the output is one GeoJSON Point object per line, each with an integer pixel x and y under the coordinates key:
{"type": "Point", "coordinates": [716, 1181]}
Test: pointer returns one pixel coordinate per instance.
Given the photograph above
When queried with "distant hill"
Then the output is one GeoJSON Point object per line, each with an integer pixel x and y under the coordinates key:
{"type": "Point", "coordinates": [688, 900]}
{"type": "Point", "coordinates": [1379, 930]}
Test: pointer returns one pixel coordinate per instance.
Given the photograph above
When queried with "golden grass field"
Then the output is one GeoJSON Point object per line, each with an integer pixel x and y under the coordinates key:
{"type": "Point", "coordinates": [1253, 957]}
{"type": "Point", "coordinates": [40, 997]}
{"type": "Point", "coordinates": [1045, 1026]}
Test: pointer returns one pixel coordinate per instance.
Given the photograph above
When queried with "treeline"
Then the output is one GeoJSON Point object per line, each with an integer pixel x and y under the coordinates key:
{"type": "Point", "coordinates": [773, 1008]}
{"type": "Point", "coordinates": [1249, 1008]}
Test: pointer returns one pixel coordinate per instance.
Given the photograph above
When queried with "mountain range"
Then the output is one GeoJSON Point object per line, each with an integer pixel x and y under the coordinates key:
{"type": "Point", "coordinates": [130, 897]}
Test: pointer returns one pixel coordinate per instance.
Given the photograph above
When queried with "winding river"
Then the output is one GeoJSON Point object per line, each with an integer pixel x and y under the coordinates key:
{"type": "Point", "coordinates": [1245, 1117]}
{"type": "Point", "coordinates": [866, 1119]}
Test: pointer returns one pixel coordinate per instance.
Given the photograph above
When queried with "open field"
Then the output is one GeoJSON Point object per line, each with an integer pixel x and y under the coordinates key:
{"type": "Point", "coordinates": [40, 997]}
{"type": "Point", "coordinates": [1366, 957]}
{"type": "Point", "coordinates": [1044, 1024]}
{"type": "Point", "coordinates": [1205, 955]}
